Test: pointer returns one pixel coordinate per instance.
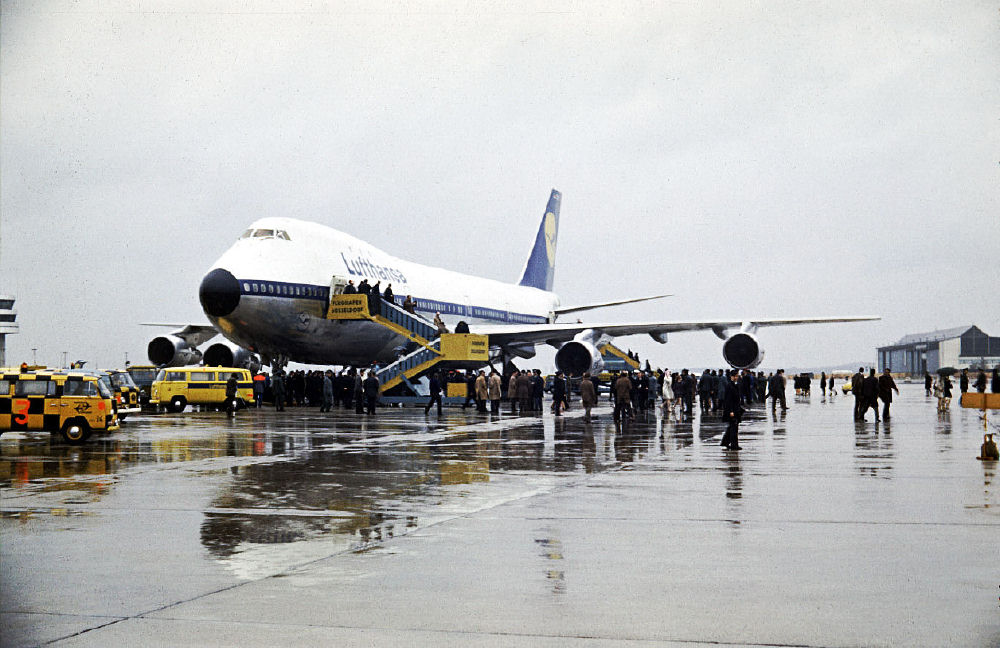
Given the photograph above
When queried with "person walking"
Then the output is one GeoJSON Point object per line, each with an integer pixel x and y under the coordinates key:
{"type": "Point", "coordinates": [857, 387]}
{"type": "Point", "coordinates": [776, 387]}
{"type": "Point", "coordinates": [537, 390]}
{"type": "Point", "coordinates": [886, 385]}
{"type": "Point", "coordinates": [833, 392]}
{"type": "Point", "coordinates": [732, 413]}
{"type": "Point", "coordinates": [559, 393]}
{"type": "Point", "coordinates": [928, 384]}
{"type": "Point", "coordinates": [822, 384]}
{"type": "Point", "coordinates": [995, 381]}
{"type": "Point", "coordinates": [371, 392]}
{"type": "Point", "coordinates": [435, 393]}
{"type": "Point", "coordinates": [494, 391]}
{"type": "Point", "coordinates": [512, 391]}
{"type": "Point", "coordinates": [482, 393]}
{"type": "Point", "coordinates": [946, 388]}
{"type": "Point", "coordinates": [668, 396]}
{"type": "Point", "coordinates": [327, 403]}
{"type": "Point", "coordinates": [981, 381]}
{"type": "Point", "coordinates": [588, 396]}
{"type": "Point", "coordinates": [623, 395]}
{"type": "Point", "coordinates": [963, 381]}
{"type": "Point", "coordinates": [869, 394]}
{"type": "Point", "coordinates": [232, 389]}
{"type": "Point", "coordinates": [278, 387]}
{"type": "Point", "coordinates": [524, 392]}
{"type": "Point", "coordinates": [359, 393]}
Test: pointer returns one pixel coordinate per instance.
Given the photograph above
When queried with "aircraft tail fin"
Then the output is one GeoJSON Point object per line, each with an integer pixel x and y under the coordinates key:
{"type": "Point", "coordinates": [540, 269]}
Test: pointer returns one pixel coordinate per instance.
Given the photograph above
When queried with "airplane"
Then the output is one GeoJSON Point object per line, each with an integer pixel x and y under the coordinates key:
{"type": "Point", "coordinates": [268, 296]}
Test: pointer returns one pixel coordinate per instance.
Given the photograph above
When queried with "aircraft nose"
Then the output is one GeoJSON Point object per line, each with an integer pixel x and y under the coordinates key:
{"type": "Point", "coordinates": [219, 293]}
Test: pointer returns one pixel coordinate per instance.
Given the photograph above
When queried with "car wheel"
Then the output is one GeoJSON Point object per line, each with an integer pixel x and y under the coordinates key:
{"type": "Point", "coordinates": [75, 431]}
{"type": "Point", "coordinates": [177, 404]}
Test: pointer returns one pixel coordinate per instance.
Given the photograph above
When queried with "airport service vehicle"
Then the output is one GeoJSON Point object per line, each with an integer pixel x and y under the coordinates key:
{"type": "Point", "coordinates": [126, 392]}
{"type": "Point", "coordinates": [270, 296]}
{"type": "Point", "coordinates": [143, 376]}
{"type": "Point", "coordinates": [73, 403]}
{"type": "Point", "coordinates": [177, 387]}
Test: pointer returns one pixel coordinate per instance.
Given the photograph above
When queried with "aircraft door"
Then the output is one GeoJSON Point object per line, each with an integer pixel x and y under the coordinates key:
{"type": "Point", "coordinates": [337, 285]}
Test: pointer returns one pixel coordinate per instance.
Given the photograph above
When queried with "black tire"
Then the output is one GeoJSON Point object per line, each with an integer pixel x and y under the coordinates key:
{"type": "Point", "coordinates": [177, 404]}
{"type": "Point", "coordinates": [75, 431]}
{"type": "Point", "coordinates": [122, 417]}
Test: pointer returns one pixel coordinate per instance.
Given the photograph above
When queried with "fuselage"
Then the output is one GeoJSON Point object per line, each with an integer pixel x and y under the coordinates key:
{"type": "Point", "coordinates": [269, 293]}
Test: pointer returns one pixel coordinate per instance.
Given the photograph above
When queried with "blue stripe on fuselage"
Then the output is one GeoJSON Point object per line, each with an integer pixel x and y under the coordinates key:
{"type": "Point", "coordinates": [285, 290]}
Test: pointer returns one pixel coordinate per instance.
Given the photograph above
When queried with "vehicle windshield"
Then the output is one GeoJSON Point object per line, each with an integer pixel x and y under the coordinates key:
{"type": "Point", "coordinates": [123, 380]}
{"type": "Point", "coordinates": [103, 386]}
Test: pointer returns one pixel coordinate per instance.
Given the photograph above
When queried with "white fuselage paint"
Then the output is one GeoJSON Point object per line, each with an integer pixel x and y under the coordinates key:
{"type": "Point", "coordinates": [285, 287]}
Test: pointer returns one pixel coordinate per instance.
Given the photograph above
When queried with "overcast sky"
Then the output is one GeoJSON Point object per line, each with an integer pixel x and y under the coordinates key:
{"type": "Point", "coordinates": [766, 159]}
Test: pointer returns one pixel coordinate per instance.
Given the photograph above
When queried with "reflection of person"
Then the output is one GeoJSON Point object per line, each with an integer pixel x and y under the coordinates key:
{"type": "Point", "coordinates": [588, 396]}
{"type": "Point", "coordinates": [885, 387]}
{"type": "Point", "coordinates": [732, 413]}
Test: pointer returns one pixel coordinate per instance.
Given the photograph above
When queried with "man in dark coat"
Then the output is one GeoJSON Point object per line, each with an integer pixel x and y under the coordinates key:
{"type": "Point", "coordinates": [776, 388]}
{"type": "Point", "coordinates": [558, 393]}
{"type": "Point", "coordinates": [435, 392]}
{"type": "Point", "coordinates": [869, 394]}
{"type": "Point", "coordinates": [857, 387]}
{"type": "Point", "coordinates": [588, 396]}
{"type": "Point", "coordinates": [371, 392]}
{"type": "Point", "coordinates": [278, 387]}
{"type": "Point", "coordinates": [232, 389]}
{"type": "Point", "coordinates": [732, 413]}
{"type": "Point", "coordinates": [928, 383]}
{"type": "Point", "coordinates": [963, 381]}
{"type": "Point", "coordinates": [981, 381]}
{"type": "Point", "coordinates": [537, 390]}
{"type": "Point", "coordinates": [327, 402]}
{"type": "Point", "coordinates": [885, 386]}
{"type": "Point", "coordinates": [622, 390]}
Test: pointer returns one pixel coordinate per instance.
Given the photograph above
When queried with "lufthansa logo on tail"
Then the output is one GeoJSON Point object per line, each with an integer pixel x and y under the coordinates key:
{"type": "Point", "coordinates": [550, 237]}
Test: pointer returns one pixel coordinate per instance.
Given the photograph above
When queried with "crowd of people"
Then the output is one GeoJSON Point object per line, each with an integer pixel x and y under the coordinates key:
{"type": "Point", "coordinates": [941, 386]}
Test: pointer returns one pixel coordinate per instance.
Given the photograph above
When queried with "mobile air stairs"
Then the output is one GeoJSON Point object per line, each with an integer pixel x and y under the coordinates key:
{"type": "Point", "coordinates": [616, 360]}
{"type": "Point", "coordinates": [433, 350]}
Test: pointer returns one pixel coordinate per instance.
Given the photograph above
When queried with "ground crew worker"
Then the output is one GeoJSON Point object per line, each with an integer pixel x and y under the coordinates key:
{"type": "Point", "coordinates": [258, 389]}
{"type": "Point", "coordinates": [232, 389]}
{"type": "Point", "coordinates": [588, 396]}
{"type": "Point", "coordinates": [885, 386]}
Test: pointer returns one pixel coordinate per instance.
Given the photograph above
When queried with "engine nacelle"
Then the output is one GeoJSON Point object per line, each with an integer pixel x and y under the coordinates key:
{"type": "Point", "coordinates": [742, 351]}
{"type": "Point", "coordinates": [172, 351]}
{"type": "Point", "coordinates": [227, 354]}
{"type": "Point", "coordinates": [578, 356]}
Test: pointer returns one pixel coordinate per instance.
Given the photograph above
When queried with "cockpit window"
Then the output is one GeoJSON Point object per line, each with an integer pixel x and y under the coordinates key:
{"type": "Point", "coordinates": [266, 234]}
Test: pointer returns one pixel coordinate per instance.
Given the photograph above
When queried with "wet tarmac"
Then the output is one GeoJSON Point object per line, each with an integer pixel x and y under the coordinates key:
{"type": "Point", "coordinates": [301, 528]}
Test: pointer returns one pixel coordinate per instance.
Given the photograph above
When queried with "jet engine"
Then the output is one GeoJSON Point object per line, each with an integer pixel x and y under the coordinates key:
{"type": "Point", "coordinates": [172, 351]}
{"type": "Point", "coordinates": [227, 354]}
{"type": "Point", "coordinates": [742, 351]}
{"type": "Point", "coordinates": [579, 356]}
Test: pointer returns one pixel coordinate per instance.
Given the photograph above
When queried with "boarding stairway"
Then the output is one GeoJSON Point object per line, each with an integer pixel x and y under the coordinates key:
{"type": "Point", "coordinates": [615, 359]}
{"type": "Point", "coordinates": [433, 350]}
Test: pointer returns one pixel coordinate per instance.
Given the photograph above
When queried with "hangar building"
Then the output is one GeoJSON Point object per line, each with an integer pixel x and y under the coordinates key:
{"type": "Point", "coordinates": [964, 347]}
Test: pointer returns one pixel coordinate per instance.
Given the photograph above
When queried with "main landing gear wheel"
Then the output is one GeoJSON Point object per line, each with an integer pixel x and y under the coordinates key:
{"type": "Point", "coordinates": [75, 431]}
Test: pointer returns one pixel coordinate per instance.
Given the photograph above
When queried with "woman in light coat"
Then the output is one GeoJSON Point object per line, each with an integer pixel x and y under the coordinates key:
{"type": "Point", "coordinates": [668, 395]}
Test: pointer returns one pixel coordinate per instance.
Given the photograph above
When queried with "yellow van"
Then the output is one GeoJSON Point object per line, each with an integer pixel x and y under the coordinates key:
{"type": "Point", "coordinates": [73, 403]}
{"type": "Point", "coordinates": [177, 387]}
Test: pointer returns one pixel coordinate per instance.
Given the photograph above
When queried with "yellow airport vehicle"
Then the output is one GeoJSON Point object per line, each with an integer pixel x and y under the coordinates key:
{"type": "Point", "coordinates": [73, 403]}
{"type": "Point", "coordinates": [126, 392]}
{"type": "Point", "coordinates": [143, 376]}
{"type": "Point", "coordinates": [177, 387]}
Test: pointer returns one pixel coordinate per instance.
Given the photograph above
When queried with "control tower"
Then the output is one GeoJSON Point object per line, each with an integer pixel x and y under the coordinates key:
{"type": "Point", "coordinates": [7, 325]}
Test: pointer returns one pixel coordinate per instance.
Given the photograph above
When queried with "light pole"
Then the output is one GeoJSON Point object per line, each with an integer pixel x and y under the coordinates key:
{"type": "Point", "coordinates": [34, 361]}
{"type": "Point", "coordinates": [64, 365]}
{"type": "Point", "coordinates": [126, 359]}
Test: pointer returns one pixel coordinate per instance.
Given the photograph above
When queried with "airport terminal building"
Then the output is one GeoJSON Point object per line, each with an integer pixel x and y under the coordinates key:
{"type": "Point", "coordinates": [964, 347]}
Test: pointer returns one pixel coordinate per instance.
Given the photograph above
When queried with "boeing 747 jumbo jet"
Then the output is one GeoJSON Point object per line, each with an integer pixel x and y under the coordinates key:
{"type": "Point", "coordinates": [269, 295]}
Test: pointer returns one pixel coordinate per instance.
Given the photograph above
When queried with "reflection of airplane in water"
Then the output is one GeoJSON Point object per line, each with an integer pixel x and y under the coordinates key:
{"type": "Point", "coordinates": [269, 295]}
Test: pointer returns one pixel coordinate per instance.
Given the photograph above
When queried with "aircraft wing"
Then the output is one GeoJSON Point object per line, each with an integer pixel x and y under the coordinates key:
{"type": "Point", "coordinates": [503, 334]}
{"type": "Point", "coordinates": [193, 334]}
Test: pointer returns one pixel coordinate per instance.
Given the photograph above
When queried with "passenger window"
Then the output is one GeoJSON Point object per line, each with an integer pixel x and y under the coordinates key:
{"type": "Point", "coordinates": [175, 376]}
{"type": "Point", "coordinates": [255, 288]}
{"type": "Point", "coordinates": [4, 387]}
{"type": "Point", "coordinates": [202, 376]}
{"type": "Point", "coordinates": [73, 388]}
{"type": "Point", "coordinates": [31, 387]}
{"type": "Point", "coordinates": [91, 389]}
